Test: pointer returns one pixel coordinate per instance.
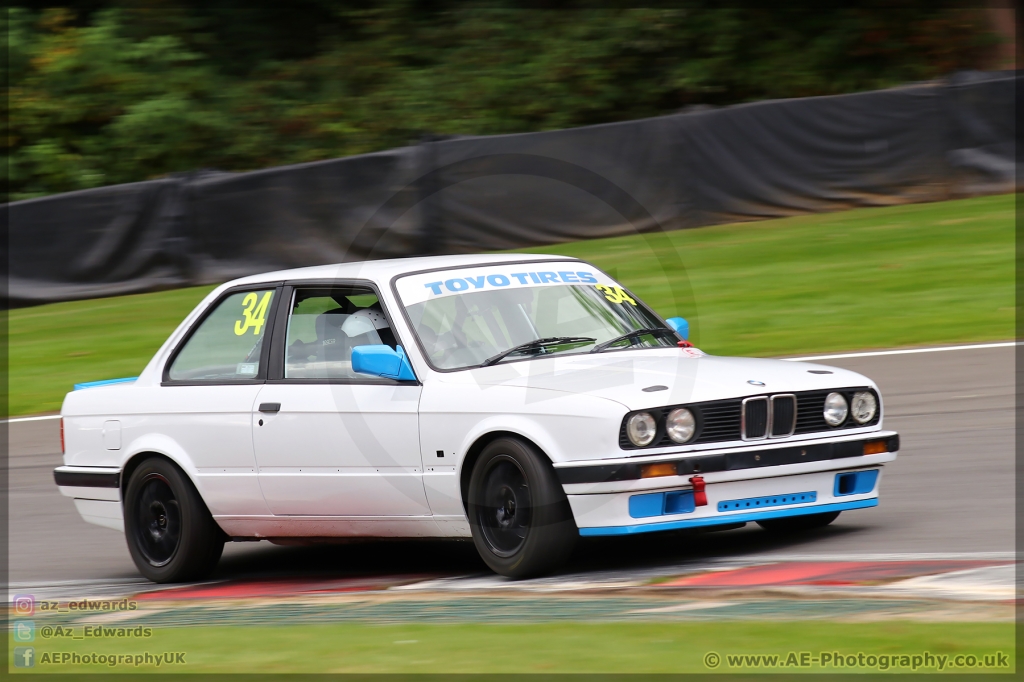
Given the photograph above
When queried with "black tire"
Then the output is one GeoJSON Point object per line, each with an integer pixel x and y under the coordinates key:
{"type": "Point", "coordinates": [171, 535]}
{"type": "Point", "coordinates": [796, 524]}
{"type": "Point", "coordinates": [521, 521]}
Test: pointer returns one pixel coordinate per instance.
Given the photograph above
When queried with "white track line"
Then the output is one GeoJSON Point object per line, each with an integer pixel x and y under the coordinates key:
{"type": "Point", "coordinates": [876, 556]}
{"type": "Point", "coordinates": [31, 419]}
{"type": "Point", "coordinates": [978, 346]}
{"type": "Point", "coordinates": [870, 354]}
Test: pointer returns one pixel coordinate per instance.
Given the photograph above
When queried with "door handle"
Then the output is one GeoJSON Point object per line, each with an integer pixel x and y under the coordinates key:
{"type": "Point", "coordinates": [270, 407]}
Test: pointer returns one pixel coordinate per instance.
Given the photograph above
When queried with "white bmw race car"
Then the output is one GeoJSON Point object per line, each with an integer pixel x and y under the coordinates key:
{"type": "Point", "coordinates": [520, 400]}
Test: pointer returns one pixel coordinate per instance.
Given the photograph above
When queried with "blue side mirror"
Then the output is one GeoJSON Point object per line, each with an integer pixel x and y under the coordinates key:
{"type": "Point", "coordinates": [382, 361]}
{"type": "Point", "coordinates": [681, 326]}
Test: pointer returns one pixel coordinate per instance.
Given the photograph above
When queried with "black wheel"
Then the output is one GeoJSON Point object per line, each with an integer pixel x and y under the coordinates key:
{"type": "Point", "coordinates": [521, 521]}
{"type": "Point", "coordinates": [170, 533]}
{"type": "Point", "coordinates": [795, 524]}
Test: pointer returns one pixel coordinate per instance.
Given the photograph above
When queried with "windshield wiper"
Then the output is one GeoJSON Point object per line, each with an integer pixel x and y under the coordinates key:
{"type": "Point", "coordinates": [536, 343]}
{"type": "Point", "coordinates": [657, 331]}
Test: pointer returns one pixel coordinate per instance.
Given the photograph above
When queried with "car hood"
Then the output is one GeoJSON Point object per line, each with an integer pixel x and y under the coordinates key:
{"type": "Point", "coordinates": [634, 378]}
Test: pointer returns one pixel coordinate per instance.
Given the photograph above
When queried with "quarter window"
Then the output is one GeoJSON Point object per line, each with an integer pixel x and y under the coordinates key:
{"type": "Point", "coordinates": [227, 345]}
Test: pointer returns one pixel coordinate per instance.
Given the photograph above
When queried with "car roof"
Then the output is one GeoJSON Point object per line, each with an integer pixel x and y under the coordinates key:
{"type": "Point", "coordinates": [382, 271]}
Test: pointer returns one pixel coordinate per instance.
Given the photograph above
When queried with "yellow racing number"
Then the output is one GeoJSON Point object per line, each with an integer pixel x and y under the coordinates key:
{"type": "Point", "coordinates": [615, 294]}
{"type": "Point", "coordinates": [255, 315]}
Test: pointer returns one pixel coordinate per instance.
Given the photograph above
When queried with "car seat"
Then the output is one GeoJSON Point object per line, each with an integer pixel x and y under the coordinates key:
{"type": "Point", "coordinates": [333, 344]}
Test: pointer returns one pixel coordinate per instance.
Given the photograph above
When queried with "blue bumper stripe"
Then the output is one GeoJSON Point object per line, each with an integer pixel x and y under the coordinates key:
{"type": "Point", "coordinates": [769, 501]}
{"type": "Point", "coordinates": [726, 519]}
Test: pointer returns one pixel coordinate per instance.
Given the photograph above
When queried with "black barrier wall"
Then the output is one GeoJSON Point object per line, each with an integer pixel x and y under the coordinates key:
{"type": "Point", "coordinates": [459, 195]}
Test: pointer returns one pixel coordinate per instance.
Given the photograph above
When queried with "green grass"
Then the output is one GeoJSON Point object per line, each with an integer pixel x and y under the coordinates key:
{"type": "Point", "coordinates": [538, 648]}
{"type": "Point", "coordinates": [870, 278]}
{"type": "Point", "coordinates": [52, 347]}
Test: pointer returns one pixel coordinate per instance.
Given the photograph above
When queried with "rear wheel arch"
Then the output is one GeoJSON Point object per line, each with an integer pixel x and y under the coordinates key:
{"type": "Point", "coordinates": [138, 458]}
{"type": "Point", "coordinates": [170, 533]}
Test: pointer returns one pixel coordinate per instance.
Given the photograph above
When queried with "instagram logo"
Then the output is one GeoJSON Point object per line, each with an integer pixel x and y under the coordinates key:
{"type": "Point", "coordinates": [24, 605]}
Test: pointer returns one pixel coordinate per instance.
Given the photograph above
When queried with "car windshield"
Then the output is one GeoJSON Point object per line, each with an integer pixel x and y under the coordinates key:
{"type": "Point", "coordinates": [468, 317]}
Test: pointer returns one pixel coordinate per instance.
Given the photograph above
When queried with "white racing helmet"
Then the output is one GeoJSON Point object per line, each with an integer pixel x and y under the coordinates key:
{"type": "Point", "coordinates": [364, 321]}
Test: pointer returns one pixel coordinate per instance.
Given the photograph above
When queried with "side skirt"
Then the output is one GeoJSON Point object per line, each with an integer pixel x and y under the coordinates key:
{"type": "Point", "coordinates": [329, 526]}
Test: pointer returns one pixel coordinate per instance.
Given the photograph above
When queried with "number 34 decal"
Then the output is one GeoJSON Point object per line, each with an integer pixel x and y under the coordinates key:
{"type": "Point", "coordinates": [615, 294]}
{"type": "Point", "coordinates": [254, 314]}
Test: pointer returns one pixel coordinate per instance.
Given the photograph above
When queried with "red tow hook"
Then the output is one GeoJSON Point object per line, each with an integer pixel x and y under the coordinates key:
{"type": "Point", "coordinates": [684, 344]}
{"type": "Point", "coordinates": [700, 498]}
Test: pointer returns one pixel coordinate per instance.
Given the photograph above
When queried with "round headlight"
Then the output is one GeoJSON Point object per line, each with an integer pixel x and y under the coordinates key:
{"type": "Point", "coordinates": [641, 428]}
{"type": "Point", "coordinates": [835, 409]}
{"type": "Point", "coordinates": [680, 425]}
{"type": "Point", "coordinates": [863, 407]}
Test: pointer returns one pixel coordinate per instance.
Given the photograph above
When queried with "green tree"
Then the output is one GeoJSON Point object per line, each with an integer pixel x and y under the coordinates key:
{"type": "Point", "coordinates": [111, 92]}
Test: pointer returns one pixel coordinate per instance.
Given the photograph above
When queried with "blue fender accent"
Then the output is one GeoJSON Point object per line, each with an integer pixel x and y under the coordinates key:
{"type": "Point", "coordinates": [105, 382]}
{"type": "Point", "coordinates": [382, 361]}
{"type": "Point", "coordinates": [680, 325]}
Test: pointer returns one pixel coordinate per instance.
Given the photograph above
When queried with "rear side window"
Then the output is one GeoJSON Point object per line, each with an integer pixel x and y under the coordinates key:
{"type": "Point", "coordinates": [227, 345]}
{"type": "Point", "coordinates": [324, 325]}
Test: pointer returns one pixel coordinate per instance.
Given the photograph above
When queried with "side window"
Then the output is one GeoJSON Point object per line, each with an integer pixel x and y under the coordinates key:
{"type": "Point", "coordinates": [324, 325]}
{"type": "Point", "coordinates": [227, 345]}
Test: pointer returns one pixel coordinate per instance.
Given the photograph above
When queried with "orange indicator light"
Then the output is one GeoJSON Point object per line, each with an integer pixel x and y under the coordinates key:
{"type": "Point", "coordinates": [659, 469]}
{"type": "Point", "coordinates": [875, 447]}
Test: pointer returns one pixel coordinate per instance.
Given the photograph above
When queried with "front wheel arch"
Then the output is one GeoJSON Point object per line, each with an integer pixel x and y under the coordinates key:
{"type": "Point", "coordinates": [469, 461]}
{"type": "Point", "coordinates": [521, 520]}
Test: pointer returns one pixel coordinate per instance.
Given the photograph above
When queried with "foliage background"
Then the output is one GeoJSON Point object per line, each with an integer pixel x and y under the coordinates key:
{"type": "Point", "coordinates": [119, 91]}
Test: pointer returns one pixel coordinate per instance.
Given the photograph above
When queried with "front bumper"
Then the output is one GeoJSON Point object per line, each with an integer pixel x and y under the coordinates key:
{"type": "Point", "coordinates": [742, 485]}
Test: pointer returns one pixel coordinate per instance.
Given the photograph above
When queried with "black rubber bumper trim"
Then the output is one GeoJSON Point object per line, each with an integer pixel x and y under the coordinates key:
{"type": "Point", "coordinates": [729, 461]}
{"type": "Point", "coordinates": [87, 479]}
